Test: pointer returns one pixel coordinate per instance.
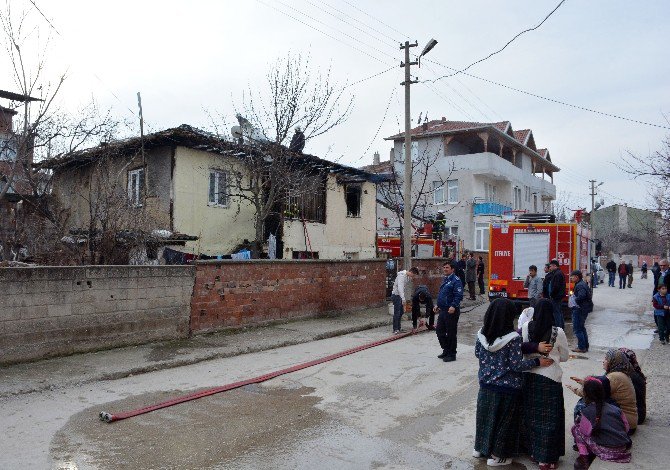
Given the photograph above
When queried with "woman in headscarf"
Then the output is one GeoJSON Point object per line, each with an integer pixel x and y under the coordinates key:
{"type": "Point", "coordinates": [639, 383]}
{"type": "Point", "coordinates": [543, 409]}
{"type": "Point", "coordinates": [501, 362]}
{"type": "Point", "coordinates": [617, 384]}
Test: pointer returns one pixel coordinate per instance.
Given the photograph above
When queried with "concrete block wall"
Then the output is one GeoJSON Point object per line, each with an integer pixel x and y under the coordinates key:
{"type": "Point", "coordinates": [238, 293]}
{"type": "Point", "coordinates": [50, 311]}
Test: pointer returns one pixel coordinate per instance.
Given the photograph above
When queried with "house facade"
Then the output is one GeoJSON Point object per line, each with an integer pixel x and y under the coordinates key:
{"type": "Point", "coordinates": [184, 181]}
{"type": "Point", "coordinates": [476, 173]}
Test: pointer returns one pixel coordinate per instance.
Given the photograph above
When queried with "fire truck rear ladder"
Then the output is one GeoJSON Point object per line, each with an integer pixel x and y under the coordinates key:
{"type": "Point", "coordinates": [559, 242]}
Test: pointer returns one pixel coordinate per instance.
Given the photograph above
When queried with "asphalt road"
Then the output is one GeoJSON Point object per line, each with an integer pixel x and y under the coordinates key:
{"type": "Point", "coordinates": [392, 406]}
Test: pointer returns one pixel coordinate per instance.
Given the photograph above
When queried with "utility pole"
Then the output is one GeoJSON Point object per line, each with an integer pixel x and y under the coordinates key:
{"type": "Point", "coordinates": [407, 184]}
{"type": "Point", "coordinates": [594, 191]}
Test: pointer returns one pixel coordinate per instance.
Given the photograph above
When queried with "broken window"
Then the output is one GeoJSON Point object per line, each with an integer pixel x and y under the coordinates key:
{"type": "Point", "coordinates": [307, 200]}
{"type": "Point", "coordinates": [353, 199]}
{"type": "Point", "coordinates": [218, 188]}
{"type": "Point", "coordinates": [136, 186]}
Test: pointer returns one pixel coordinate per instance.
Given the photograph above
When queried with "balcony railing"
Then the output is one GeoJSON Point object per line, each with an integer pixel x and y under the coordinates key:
{"type": "Point", "coordinates": [490, 208]}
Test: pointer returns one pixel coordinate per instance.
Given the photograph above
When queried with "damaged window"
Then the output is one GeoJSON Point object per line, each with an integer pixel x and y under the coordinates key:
{"type": "Point", "coordinates": [353, 199]}
{"type": "Point", "coordinates": [218, 188]}
{"type": "Point", "coordinates": [136, 186]}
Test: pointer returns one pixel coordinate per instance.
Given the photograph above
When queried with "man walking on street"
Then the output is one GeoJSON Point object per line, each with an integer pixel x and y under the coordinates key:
{"type": "Point", "coordinates": [581, 305]}
{"type": "Point", "coordinates": [398, 296]}
{"type": "Point", "coordinates": [629, 271]}
{"type": "Point", "coordinates": [448, 310]}
{"type": "Point", "coordinates": [471, 275]}
{"type": "Point", "coordinates": [480, 275]}
{"type": "Point", "coordinates": [623, 274]}
{"type": "Point", "coordinates": [611, 271]}
{"type": "Point", "coordinates": [553, 289]}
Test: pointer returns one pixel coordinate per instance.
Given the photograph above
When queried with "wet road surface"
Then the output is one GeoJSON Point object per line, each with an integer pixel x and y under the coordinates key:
{"type": "Point", "coordinates": [392, 406]}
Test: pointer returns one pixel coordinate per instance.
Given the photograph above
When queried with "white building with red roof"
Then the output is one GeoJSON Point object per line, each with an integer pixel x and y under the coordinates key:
{"type": "Point", "coordinates": [477, 173]}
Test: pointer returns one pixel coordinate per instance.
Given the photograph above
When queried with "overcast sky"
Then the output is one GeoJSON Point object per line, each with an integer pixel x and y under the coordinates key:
{"type": "Point", "coordinates": [188, 57]}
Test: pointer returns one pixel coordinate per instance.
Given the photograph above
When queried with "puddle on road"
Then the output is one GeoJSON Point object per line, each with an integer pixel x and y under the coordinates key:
{"type": "Point", "coordinates": [198, 434]}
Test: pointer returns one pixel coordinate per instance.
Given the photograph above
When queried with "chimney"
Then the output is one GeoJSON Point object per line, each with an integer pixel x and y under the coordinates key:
{"type": "Point", "coordinates": [375, 158]}
{"type": "Point", "coordinates": [6, 116]}
{"type": "Point", "coordinates": [444, 119]}
{"type": "Point", "coordinates": [424, 126]}
{"type": "Point", "coordinates": [392, 156]}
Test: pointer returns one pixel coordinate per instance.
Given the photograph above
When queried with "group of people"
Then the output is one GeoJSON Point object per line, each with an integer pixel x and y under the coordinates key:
{"type": "Point", "coordinates": [520, 405]}
{"type": "Point", "coordinates": [625, 271]}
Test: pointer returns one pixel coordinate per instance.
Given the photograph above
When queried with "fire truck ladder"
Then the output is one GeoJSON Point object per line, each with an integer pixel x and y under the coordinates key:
{"type": "Point", "coordinates": [563, 243]}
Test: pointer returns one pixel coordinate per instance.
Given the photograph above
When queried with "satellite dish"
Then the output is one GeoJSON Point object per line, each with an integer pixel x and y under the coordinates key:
{"type": "Point", "coordinates": [236, 132]}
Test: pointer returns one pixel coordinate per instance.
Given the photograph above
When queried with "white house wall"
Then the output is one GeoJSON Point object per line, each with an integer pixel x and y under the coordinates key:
{"type": "Point", "coordinates": [473, 171]}
{"type": "Point", "coordinates": [341, 236]}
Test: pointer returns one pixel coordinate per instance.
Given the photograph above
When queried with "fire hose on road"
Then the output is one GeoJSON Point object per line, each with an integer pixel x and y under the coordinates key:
{"type": "Point", "coordinates": [111, 417]}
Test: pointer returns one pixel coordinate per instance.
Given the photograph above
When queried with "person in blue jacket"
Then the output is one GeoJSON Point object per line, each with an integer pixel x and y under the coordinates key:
{"type": "Point", "coordinates": [448, 309]}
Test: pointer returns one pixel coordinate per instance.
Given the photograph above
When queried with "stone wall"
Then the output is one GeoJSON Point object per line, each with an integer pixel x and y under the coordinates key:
{"type": "Point", "coordinates": [238, 293]}
{"type": "Point", "coordinates": [51, 311]}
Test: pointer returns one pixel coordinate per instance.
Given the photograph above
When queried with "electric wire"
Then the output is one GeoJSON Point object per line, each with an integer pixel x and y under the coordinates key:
{"type": "Point", "coordinates": [373, 36]}
{"type": "Point", "coordinates": [388, 105]}
{"type": "Point", "coordinates": [460, 95]}
{"type": "Point", "coordinates": [507, 44]}
{"type": "Point", "coordinates": [535, 95]}
{"type": "Point", "coordinates": [368, 78]}
{"type": "Point", "coordinates": [374, 18]}
{"type": "Point", "coordinates": [325, 33]}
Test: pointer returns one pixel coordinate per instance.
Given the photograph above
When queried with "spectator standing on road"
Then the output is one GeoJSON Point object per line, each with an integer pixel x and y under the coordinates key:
{"type": "Point", "coordinates": [623, 274]}
{"type": "Point", "coordinates": [661, 303]}
{"type": "Point", "coordinates": [499, 400]}
{"type": "Point", "coordinates": [581, 306]}
{"type": "Point", "coordinates": [471, 275]}
{"type": "Point", "coordinates": [448, 309]}
{"type": "Point", "coordinates": [534, 285]}
{"type": "Point", "coordinates": [553, 288]}
{"type": "Point", "coordinates": [629, 272]}
{"type": "Point", "coordinates": [662, 276]}
{"type": "Point", "coordinates": [480, 275]}
{"type": "Point", "coordinates": [462, 263]}
{"type": "Point", "coordinates": [611, 271]}
{"type": "Point", "coordinates": [643, 270]}
{"type": "Point", "coordinates": [639, 384]}
{"type": "Point", "coordinates": [543, 406]}
{"type": "Point", "coordinates": [594, 274]}
{"type": "Point", "coordinates": [601, 430]}
{"type": "Point", "coordinates": [422, 296]}
{"type": "Point", "coordinates": [398, 296]}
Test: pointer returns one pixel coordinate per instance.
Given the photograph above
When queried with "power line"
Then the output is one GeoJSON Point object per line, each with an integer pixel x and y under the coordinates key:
{"type": "Point", "coordinates": [323, 32]}
{"type": "Point", "coordinates": [368, 78]}
{"type": "Point", "coordinates": [583, 108]}
{"type": "Point", "coordinates": [462, 97]}
{"type": "Point", "coordinates": [448, 101]}
{"type": "Point", "coordinates": [507, 44]}
{"type": "Point", "coordinates": [374, 18]}
{"type": "Point", "coordinates": [44, 16]}
{"type": "Point", "coordinates": [388, 105]}
{"type": "Point", "coordinates": [319, 7]}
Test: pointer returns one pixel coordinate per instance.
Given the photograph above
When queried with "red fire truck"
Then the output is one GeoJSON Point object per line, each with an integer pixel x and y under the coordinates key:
{"type": "Point", "coordinates": [516, 245]}
{"type": "Point", "coordinates": [422, 247]}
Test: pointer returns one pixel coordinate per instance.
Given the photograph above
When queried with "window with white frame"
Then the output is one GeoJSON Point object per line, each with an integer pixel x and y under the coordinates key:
{"type": "Point", "coordinates": [526, 193]}
{"type": "Point", "coordinates": [490, 192]}
{"type": "Point", "coordinates": [451, 232]}
{"type": "Point", "coordinates": [136, 186]}
{"type": "Point", "coordinates": [452, 192]}
{"type": "Point", "coordinates": [7, 149]}
{"type": "Point", "coordinates": [534, 202]}
{"type": "Point", "coordinates": [438, 192]}
{"type": "Point", "coordinates": [414, 149]}
{"type": "Point", "coordinates": [517, 198]}
{"type": "Point", "coordinates": [481, 237]}
{"type": "Point", "coordinates": [218, 188]}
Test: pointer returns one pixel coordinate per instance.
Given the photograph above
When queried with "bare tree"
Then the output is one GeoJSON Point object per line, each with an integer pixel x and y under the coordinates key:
{"type": "Point", "coordinates": [297, 96]}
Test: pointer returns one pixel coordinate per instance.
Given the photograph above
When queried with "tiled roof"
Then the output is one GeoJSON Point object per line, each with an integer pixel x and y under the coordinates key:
{"type": "Point", "coordinates": [381, 168]}
{"type": "Point", "coordinates": [437, 126]}
{"type": "Point", "coordinates": [543, 152]}
{"type": "Point", "coordinates": [522, 135]}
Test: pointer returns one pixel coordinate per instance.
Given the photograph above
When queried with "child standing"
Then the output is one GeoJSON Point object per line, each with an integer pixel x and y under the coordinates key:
{"type": "Point", "coordinates": [601, 430]}
{"type": "Point", "coordinates": [661, 303]}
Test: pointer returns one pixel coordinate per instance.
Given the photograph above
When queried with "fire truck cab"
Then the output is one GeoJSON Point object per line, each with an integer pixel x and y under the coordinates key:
{"type": "Point", "coordinates": [534, 239]}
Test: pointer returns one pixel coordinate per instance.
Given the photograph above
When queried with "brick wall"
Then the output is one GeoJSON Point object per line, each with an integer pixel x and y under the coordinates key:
{"type": "Point", "coordinates": [51, 311]}
{"type": "Point", "coordinates": [238, 293]}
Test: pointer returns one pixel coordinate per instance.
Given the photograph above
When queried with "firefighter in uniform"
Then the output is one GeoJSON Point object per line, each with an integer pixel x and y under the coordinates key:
{"type": "Point", "coordinates": [448, 310]}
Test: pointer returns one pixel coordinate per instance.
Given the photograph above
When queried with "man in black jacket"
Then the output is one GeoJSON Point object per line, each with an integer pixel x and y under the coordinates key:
{"type": "Point", "coordinates": [422, 296]}
{"type": "Point", "coordinates": [611, 271]}
{"type": "Point", "coordinates": [553, 288]}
